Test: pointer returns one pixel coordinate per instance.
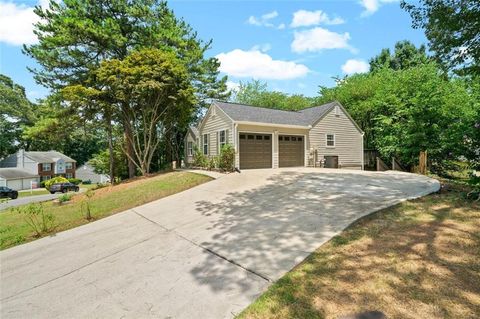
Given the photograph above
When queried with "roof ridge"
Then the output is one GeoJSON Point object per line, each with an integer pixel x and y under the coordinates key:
{"type": "Point", "coordinates": [259, 107]}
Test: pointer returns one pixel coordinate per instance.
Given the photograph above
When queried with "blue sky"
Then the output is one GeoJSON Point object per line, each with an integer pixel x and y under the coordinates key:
{"type": "Point", "coordinates": [294, 46]}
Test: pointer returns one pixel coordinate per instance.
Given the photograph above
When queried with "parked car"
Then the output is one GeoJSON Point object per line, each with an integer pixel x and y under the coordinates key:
{"type": "Point", "coordinates": [63, 187]}
{"type": "Point", "coordinates": [8, 192]}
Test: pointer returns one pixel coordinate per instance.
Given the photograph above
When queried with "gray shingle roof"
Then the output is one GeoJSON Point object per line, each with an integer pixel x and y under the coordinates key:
{"type": "Point", "coordinates": [194, 130]}
{"type": "Point", "coordinates": [48, 157]}
{"type": "Point", "coordinates": [248, 113]}
{"type": "Point", "coordinates": [13, 173]}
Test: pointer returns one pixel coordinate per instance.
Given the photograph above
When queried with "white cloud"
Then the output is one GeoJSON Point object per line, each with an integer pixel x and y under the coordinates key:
{"type": "Point", "coordinates": [233, 86]}
{"type": "Point", "coordinates": [304, 18]}
{"type": "Point", "coordinates": [264, 20]}
{"type": "Point", "coordinates": [261, 47]}
{"type": "Point", "coordinates": [372, 6]}
{"type": "Point", "coordinates": [281, 26]}
{"type": "Point", "coordinates": [355, 66]}
{"type": "Point", "coordinates": [318, 39]}
{"type": "Point", "coordinates": [258, 65]}
{"type": "Point", "coordinates": [16, 23]}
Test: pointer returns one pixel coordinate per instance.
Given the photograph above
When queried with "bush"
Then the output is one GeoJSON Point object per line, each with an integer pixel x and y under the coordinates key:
{"type": "Point", "coordinates": [55, 180]}
{"type": "Point", "coordinates": [199, 159]}
{"type": "Point", "coordinates": [226, 160]}
{"type": "Point", "coordinates": [65, 198]}
{"type": "Point", "coordinates": [36, 218]}
{"type": "Point", "coordinates": [75, 181]}
{"type": "Point", "coordinates": [212, 163]}
{"type": "Point", "coordinates": [87, 182]}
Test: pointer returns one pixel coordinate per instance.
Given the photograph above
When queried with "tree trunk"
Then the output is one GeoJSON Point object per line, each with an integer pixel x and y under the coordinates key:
{"type": "Point", "coordinates": [129, 148]}
{"type": "Point", "coordinates": [110, 149]}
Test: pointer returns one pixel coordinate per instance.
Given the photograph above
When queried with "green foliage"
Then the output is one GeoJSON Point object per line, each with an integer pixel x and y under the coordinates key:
{"type": "Point", "coordinates": [36, 218]}
{"type": "Point", "coordinates": [55, 180]}
{"type": "Point", "coordinates": [405, 56]}
{"type": "Point", "coordinates": [101, 162]}
{"type": "Point", "coordinates": [256, 93]}
{"type": "Point", "coordinates": [199, 159]}
{"type": "Point", "coordinates": [75, 181]}
{"type": "Point", "coordinates": [407, 111]}
{"type": "Point", "coordinates": [453, 29]}
{"type": "Point", "coordinates": [86, 204]}
{"type": "Point", "coordinates": [226, 160]}
{"type": "Point", "coordinates": [212, 163]}
{"type": "Point", "coordinates": [64, 198]}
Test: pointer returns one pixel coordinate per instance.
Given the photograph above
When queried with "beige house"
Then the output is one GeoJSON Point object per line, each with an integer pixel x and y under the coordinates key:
{"type": "Point", "coordinates": [322, 136]}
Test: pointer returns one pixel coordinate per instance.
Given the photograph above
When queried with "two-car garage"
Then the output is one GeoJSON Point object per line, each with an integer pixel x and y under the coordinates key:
{"type": "Point", "coordinates": [256, 150]}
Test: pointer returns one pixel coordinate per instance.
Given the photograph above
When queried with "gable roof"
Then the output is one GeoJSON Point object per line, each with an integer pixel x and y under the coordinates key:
{"type": "Point", "coordinates": [14, 173]}
{"type": "Point", "coordinates": [48, 157]}
{"type": "Point", "coordinates": [248, 113]}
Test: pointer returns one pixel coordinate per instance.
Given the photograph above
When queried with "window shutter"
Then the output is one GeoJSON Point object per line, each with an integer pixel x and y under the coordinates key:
{"type": "Point", "coordinates": [226, 136]}
{"type": "Point", "coordinates": [218, 142]}
{"type": "Point", "coordinates": [208, 144]}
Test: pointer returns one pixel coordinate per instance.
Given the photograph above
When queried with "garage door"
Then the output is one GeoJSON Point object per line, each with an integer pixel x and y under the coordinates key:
{"type": "Point", "coordinates": [255, 150]}
{"type": "Point", "coordinates": [291, 151]}
{"type": "Point", "coordinates": [15, 184]}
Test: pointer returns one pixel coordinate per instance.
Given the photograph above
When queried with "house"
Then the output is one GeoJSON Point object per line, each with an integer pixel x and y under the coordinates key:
{"type": "Point", "coordinates": [87, 173]}
{"type": "Point", "coordinates": [18, 179]}
{"type": "Point", "coordinates": [324, 136]}
{"type": "Point", "coordinates": [45, 165]}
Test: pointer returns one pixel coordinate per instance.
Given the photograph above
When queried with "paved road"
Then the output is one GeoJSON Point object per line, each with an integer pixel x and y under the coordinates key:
{"type": "Point", "coordinates": [30, 199]}
{"type": "Point", "coordinates": [204, 253]}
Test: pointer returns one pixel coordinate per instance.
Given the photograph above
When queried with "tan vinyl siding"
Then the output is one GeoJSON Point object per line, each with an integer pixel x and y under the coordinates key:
{"type": "Point", "coordinates": [348, 139]}
{"type": "Point", "coordinates": [189, 138]}
{"type": "Point", "coordinates": [214, 123]}
{"type": "Point", "coordinates": [275, 131]}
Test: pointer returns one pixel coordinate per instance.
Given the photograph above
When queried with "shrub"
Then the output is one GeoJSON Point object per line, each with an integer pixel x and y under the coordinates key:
{"type": "Point", "coordinates": [36, 218]}
{"type": "Point", "coordinates": [86, 204]}
{"type": "Point", "coordinates": [75, 181]}
{"type": "Point", "coordinates": [199, 159]}
{"type": "Point", "coordinates": [212, 163]}
{"type": "Point", "coordinates": [55, 180]}
{"type": "Point", "coordinates": [226, 160]}
{"type": "Point", "coordinates": [65, 198]}
{"type": "Point", "coordinates": [87, 182]}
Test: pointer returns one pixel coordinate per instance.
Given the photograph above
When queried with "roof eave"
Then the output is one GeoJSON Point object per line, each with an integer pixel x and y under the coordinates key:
{"type": "Point", "coordinates": [273, 124]}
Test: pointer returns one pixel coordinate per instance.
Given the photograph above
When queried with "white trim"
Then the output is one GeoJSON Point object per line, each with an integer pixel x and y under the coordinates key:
{"type": "Point", "coordinates": [363, 156]}
{"type": "Point", "coordinates": [273, 125]}
{"type": "Point", "coordinates": [256, 132]}
{"type": "Point", "coordinates": [334, 140]}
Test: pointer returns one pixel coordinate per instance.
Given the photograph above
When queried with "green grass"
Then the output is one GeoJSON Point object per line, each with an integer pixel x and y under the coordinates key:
{"type": "Point", "coordinates": [105, 202]}
{"type": "Point", "coordinates": [418, 259]}
{"type": "Point", "coordinates": [33, 193]}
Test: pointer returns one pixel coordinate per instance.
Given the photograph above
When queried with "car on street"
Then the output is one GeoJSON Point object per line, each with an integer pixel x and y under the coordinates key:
{"type": "Point", "coordinates": [63, 188]}
{"type": "Point", "coordinates": [6, 192]}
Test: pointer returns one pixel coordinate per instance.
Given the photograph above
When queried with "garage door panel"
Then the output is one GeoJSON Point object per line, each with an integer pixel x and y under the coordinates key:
{"type": "Point", "coordinates": [255, 150]}
{"type": "Point", "coordinates": [291, 150]}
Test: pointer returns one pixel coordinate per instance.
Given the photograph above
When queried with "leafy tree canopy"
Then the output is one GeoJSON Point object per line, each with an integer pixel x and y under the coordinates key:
{"type": "Point", "coordinates": [453, 29]}
{"type": "Point", "coordinates": [405, 55]}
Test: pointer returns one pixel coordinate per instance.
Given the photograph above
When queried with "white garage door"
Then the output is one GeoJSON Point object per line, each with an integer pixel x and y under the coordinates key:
{"type": "Point", "coordinates": [15, 184]}
{"type": "Point", "coordinates": [3, 182]}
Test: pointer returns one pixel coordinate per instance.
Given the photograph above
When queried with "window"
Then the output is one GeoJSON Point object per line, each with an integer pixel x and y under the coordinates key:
{"type": "Point", "coordinates": [46, 167]}
{"type": "Point", "coordinates": [294, 138]}
{"type": "Point", "coordinates": [242, 136]}
{"type": "Point", "coordinates": [68, 165]}
{"type": "Point", "coordinates": [250, 137]}
{"type": "Point", "coordinates": [280, 138]}
{"type": "Point", "coordinates": [190, 148]}
{"type": "Point", "coordinates": [287, 138]}
{"type": "Point", "coordinates": [330, 140]}
{"type": "Point", "coordinates": [205, 144]}
{"type": "Point", "coordinates": [222, 138]}
{"type": "Point", "coordinates": [69, 175]}
{"type": "Point", "coordinates": [299, 139]}
{"type": "Point", "coordinates": [266, 137]}
{"type": "Point", "coordinates": [259, 137]}
{"type": "Point", "coordinates": [45, 178]}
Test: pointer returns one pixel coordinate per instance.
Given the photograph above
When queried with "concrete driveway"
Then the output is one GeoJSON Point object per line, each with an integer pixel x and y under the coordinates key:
{"type": "Point", "coordinates": [203, 253]}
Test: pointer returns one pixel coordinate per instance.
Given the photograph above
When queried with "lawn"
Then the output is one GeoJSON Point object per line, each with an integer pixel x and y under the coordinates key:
{"type": "Point", "coordinates": [33, 193]}
{"type": "Point", "coordinates": [418, 259]}
{"type": "Point", "coordinates": [105, 201]}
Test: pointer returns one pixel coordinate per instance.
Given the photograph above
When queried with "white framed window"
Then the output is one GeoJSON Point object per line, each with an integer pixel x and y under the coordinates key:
{"type": "Point", "coordinates": [46, 167]}
{"type": "Point", "coordinates": [330, 138]}
{"type": "Point", "coordinates": [68, 165]}
{"type": "Point", "coordinates": [69, 175]}
{"type": "Point", "coordinates": [222, 138]}
{"type": "Point", "coordinates": [190, 148]}
{"type": "Point", "coordinates": [205, 144]}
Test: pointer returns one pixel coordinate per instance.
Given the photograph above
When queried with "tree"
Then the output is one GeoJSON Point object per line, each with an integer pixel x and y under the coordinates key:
{"type": "Point", "coordinates": [405, 56]}
{"type": "Point", "coordinates": [75, 36]}
{"type": "Point", "coordinates": [453, 29]}
{"type": "Point", "coordinates": [154, 90]}
{"type": "Point", "coordinates": [16, 113]}
{"type": "Point", "coordinates": [256, 93]}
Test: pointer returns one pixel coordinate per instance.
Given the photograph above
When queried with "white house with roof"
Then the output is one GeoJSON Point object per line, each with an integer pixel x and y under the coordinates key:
{"type": "Point", "coordinates": [324, 136]}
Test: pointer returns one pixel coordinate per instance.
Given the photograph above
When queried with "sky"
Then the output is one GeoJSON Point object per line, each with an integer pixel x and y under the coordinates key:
{"type": "Point", "coordinates": [294, 46]}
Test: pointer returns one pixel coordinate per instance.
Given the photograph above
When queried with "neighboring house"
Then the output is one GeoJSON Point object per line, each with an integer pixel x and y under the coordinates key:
{"type": "Point", "coordinates": [191, 141]}
{"type": "Point", "coordinates": [87, 173]}
{"type": "Point", "coordinates": [44, 164]}
{"type": "Point", "coordinates": [324, 135]}
{"type": "Point", "coordinates": [18, 179]}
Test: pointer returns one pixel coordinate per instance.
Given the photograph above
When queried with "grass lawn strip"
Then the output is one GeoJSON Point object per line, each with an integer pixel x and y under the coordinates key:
{"type": "Point", "coordinates": [105, 202]}
{"type": "Point", "coordinates": [418, 259]}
